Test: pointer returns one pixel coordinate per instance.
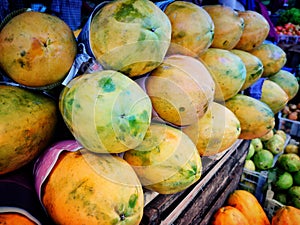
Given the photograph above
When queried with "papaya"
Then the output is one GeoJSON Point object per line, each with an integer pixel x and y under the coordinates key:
{"type": "Point", "coordinates": [256, 30]}
{"type": "Point", "coordinates": [254, 67]}
{"type": "Point", "coordinates": [131, 37]}
{"type": "Point", "coordinates": [27, 125]}
{"type": "Point", "coordinates": [286, 215]}
{"type": "Point", "coordinates": [274, 96]}
{"type": "Point", "coordinates": [248, 204]}
{"type": "Point", "coordinates": [167, 161]}
{"type": "Point", "coordinates": [181, 89]}
{"type": "Point", "coordinates": [287, 81]}
{"type": "Point", "coordinates": [228, 27]}
{"type": "Point", "coordinates": [216, 131]}
{"type": "Point", "coordinates": [11, 218]}
{"type": "Point", "coordinates": [37, 49]}
{"type": "Point", "coordinates": [272, 57]}
{"type": "Point", "coordinates": [192, 28]}
{"type": "Point", "coordinates": [106, 112]}
{"type": "Point", "coordinates": [256, 117]}
{"type": "Point", "coordinates": [228, 215]}
{"type": "Point", "coordinates": [228, 72]}
{"type": "Point", "coordinates": [87, 188]}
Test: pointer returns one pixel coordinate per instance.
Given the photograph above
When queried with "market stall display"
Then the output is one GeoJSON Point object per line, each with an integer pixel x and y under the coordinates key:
{"type": "Point", "coordinates": [165, 134]}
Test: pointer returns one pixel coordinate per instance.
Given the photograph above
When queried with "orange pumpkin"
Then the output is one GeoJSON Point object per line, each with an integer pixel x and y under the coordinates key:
{"type": "Point", "coordinates": [228, 215]}
{"type": "Point", "coordinates": [248, 204]}
{"type": "Point", "coordinates": [286, 215]}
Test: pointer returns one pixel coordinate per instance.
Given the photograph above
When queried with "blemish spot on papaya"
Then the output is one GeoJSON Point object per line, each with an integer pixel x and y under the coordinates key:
{"type": "Point", "coordinates": [128, 13]}
{"type": "Point", "coordinates": [22, 53]}
{"type": "Point", "coordinates": [107, 84]}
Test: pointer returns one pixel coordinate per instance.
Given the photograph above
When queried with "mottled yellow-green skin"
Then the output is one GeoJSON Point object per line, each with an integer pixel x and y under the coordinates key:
{"type": "Point", "coordinates": [192, 28]}
{"type": "Point", "coordinates": [167, 161]}
{"type": "Point", "coordinates": [228, 72]}
{"type": "Point", "coordinates": [272, 57]}
{"type": "Point", "coordinates": [37, 49]}
{"type": "Point", "coordinates": [88, 188]}
{"type": "Point", "coordinates": [287, 81]}
{"type": "Point", "coordinates": [106, 111]}
{"type": "Point", "coordinates": [27, 124]}
{"type": "Point", "coordinates": [180, 89]}
{"type": "Point", "coordinates": [274, 96]}
{"type": "Point", "coordinates": [216, 131]}
{"type": "Point", "coordinates": [228, 26]}
{"type": "Point", "coordinates": [256, 117]}
{"type": "Point", "coordinates": [254, 67]}
{"type": "Point", "coordinates": [130, 36]}
{"type": "Point", "coordinates": [256, 30]}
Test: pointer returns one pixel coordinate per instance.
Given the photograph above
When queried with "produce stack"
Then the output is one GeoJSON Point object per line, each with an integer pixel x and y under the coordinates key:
{"type": "Point", "coordinates": [174, 84]}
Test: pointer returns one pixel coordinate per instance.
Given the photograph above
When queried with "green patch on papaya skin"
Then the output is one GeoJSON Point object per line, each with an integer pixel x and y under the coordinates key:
{"type": "Point", "coordinates": [258, 70]}
{"type": "Point", "coordinates": [107, 84]}
{"type": "Point", "coordinates": [133, 200]}
{"type": "Point", "coordinates": [128, 13]}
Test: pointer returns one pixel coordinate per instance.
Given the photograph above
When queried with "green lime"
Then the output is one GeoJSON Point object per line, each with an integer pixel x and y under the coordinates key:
{"type": "Point", "coordinates": [284, 181]}
{"type": "Point", "coordinates": [249, 164]}
{"type": "Point", "coordinates": [296, 178]}
{"type": "Point", "coordinates": [263, 159]}
{"type": "Point", "coordinates": [251, 151]}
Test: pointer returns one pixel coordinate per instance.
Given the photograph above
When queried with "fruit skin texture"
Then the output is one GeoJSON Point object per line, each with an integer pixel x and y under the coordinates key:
{"type": "Point", "coordinates": [10, 218]}
{"type": "Point", "coordinates": [167, 161]}
{"type": "Point", "coordinates": [254, 67]}
{"type": "Point", "coordinates": [256, 117]}
{"type": "Point", "coordinates": [228, 72]}
{"type": "Point", "coordinates": [181, 89]}
{"type": "Point", "coordinates": [272, 57]}
{"type": "Point", "coordinates": [287, 81]}
{"type": "Point", "coordinates": [289, 161]}
{"type": "Point", "coordinates": [192, 28]}
{"type": "Point", "coordinates": [88, 188]}
{"type": "Point", "coordinates": [216, 131]}
{"type": "Point", "coordinates": [37, 49]}
{"type": "Point", "coordinates": [249, 206]}
{"type": "Point", "coordinates": [274, 96]}
{"type": "Point", "coordinates": [27, 125]}
{"type": "Point", "coordinates": [107, 111]}
{"type": "Point", "coordinates": [256, 30]}
{"type": "Point", "coordinates": [228, 215]}
{"type": "Point", "coordinates": [263, 159]}
{"type": "Point", "coordinates": [228, 28]}
{"type": "Point", "coordinates": [130, 36]}
{"type": "Point", "coordinates": [286, 215]}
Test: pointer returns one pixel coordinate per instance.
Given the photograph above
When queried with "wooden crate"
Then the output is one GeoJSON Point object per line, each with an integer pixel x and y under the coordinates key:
{"type": "Point", "coordinates": [197, 204]}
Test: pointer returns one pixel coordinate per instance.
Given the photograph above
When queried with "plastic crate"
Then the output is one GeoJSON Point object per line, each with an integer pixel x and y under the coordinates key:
{"type": "Point", "coordinates": [288, 39]}
{"type": "Point", "coordinates": [271, 205]}
{"type": "Point", "coordinates": [291, 127]}
{"type": "Point", "coordinates": [254, 182]}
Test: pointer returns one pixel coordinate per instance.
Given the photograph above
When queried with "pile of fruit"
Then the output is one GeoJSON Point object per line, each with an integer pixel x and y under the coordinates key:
{"type": "Point", "coordinates": [284, 177]}
{"type": "Point", "coordinates": [242, 208]}
{"type": "Point", "coordinates": [291, 111]}
{"type": "Point", "coordinates": [175, 85]}
{"type": "Point", "coordinates": [264, 151]}
{"type": "Point", "coordinates": [288, 29]}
